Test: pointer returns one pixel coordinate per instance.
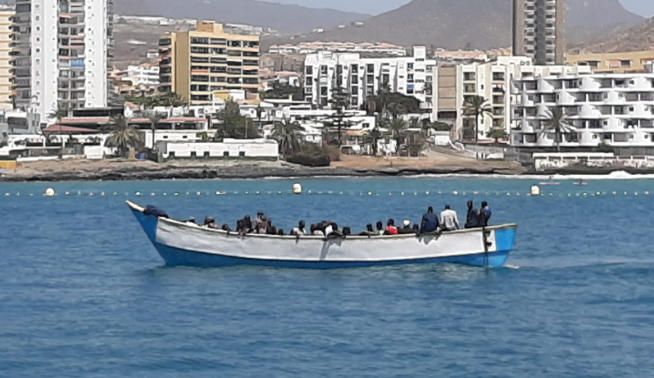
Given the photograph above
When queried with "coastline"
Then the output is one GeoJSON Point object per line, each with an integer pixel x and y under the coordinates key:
{"type": "Point", "coordinates": [125, 170]}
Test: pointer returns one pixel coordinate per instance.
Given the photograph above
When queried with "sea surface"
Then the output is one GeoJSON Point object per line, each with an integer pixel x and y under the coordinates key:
{"type": "Point", "coordinates": [83, 293]}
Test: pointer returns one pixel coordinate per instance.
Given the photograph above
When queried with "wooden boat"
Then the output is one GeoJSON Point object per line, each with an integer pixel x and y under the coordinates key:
{"type": "Point", "coordinates": [181, 243]}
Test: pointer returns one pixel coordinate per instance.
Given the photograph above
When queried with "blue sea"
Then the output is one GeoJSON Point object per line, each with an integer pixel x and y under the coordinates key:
{"type": "Point", "coordinates": [83, 293]}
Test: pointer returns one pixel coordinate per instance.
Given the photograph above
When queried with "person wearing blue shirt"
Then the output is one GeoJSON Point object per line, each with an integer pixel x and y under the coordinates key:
{"type": "Point", "coordinates": [429, 222]}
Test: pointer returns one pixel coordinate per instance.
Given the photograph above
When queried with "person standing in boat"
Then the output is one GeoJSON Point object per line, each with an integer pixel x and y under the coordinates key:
{"type": "Point", "coordinates": [472, 218]}
{"type": "Point", "coordinates": [429, 222]}
{"type": "Point", "coordinates": [485, 214]}
{"type": "Point", "coordinates": [449, 219]}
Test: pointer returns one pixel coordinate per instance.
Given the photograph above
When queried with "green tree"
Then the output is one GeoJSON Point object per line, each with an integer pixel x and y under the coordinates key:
{"type": "Point", "coordinates": [556, 121]}
{"type": "Point", "coordinates": [287, 134]}
{"type": "Point", "coordinates": [234, 125]}
{"type": "Point", "coordinates": [283, 91]}
{"type": "Point", "coordinates": [123, 136]}
{"type": "Point", "coordinates": [497, 133]}
{"type": "Point", "coordinates": [398, 127]}
{"type": "Point", "coordinates": [340, 101]}
{"type": "Point", "coordinates": [476, 106]}
{"type": "Point", "coordinates": [373, 137]}
{"type": "Point", "coordinates": [154, 118]}
{"type": "Point", "coordinates": [260, 112]}
{"type": "Point", "coordinates": [62, 111]}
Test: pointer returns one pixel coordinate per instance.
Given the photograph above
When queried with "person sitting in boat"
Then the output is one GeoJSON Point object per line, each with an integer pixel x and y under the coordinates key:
{"type": "Point", "coordinates": [191, 221]}
{"type": "Point", "coordinates": [247, 224]}
{"type": "Point", "coordinates": [391, 229]}
{"type": "Point", "coordinates": [260, 222]}
{"type": "Point", "coordinates": [226, 227]}
{"type": "Point", "coordinates": [316, 231]}
{"type": "Point", "coordinates": [369, 231]}
{"type": "Point", "coordinates": [407, 228]}
{"type": "Point", "coordinates": [449, 219]}
{"type": "Point", "coordinates": [485, 214]}
{"type": "Point", "coordinates": [269, 228]}
{"type": "Point", "coordinates": [333, 231]}
{"type": "Point", "coordinates": [210, 222]}
{"type": "Point", "coordinates": [429, 222]}
{"type": "Point", "coordinates": [300, 230]}
{"type": "Point", "coordinates": [380, 228]}
{"type": "Point", "coordinates": [472, 219]}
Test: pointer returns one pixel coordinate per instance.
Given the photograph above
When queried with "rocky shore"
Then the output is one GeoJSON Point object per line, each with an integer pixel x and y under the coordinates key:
{"type": "Point", "coordinates": [116, 170]}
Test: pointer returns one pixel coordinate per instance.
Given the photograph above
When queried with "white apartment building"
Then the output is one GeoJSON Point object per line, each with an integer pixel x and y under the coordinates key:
{"type": "Point", "coordinates": [327, 72]}
{"type": "Point", "coordinates": [601, 109]}
{"type": "Point", "coordinates": [492, 81]}
{"type": "Point", "coordinates": [144, 74]}
{"type": "Point", "coordinates": [63, 50]}
{"type": "Point", "coordinates": [7, 15]}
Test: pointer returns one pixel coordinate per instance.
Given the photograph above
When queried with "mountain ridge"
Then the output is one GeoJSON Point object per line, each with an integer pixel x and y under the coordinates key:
{"type": "Point", "coordinates": [481, 24]}
{"type": "Point", "coordinates": [286, 18]}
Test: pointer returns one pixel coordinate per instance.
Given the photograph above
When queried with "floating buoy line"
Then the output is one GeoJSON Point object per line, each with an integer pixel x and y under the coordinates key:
{"type": "Point", "coordinates": [50, 193]}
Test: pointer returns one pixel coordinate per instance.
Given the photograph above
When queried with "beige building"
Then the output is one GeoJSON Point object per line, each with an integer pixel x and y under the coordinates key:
{"type": "Point", "coordinates": [198, 63]}
{"type": "Point", "coordinates": [616, 62]}
{"type": "Point", "coordinates": [6, 69]}
{"type": "Point", "coordinates": [539, 30]}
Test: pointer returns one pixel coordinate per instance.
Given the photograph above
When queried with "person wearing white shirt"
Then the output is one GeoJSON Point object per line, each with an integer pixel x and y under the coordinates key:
{"type": "Point", "coordinates": [449, 219]}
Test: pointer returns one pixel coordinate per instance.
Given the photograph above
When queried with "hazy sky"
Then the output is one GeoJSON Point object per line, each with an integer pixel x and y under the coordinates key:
{"type": "Point", "coordinates": [643, 7]}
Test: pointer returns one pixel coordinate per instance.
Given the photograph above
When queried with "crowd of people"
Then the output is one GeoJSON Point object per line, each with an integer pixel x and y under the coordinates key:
{"type": "Point", "coordinates": [447, 220]}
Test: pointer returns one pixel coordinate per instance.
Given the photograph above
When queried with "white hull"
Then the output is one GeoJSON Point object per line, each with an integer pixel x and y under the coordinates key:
{"type": "Point", "coordinates": [177, 241]}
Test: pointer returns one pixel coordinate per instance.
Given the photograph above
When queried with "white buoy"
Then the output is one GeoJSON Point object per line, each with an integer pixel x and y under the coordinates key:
{"type": "Point", "coordinates": [535, 191]}
{"type": "Point", "coordinates": [297, 188]}
{"type": "Point", "coordinates": [49, 192]}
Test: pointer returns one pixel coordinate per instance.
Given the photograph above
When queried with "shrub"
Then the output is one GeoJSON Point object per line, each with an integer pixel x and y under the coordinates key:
{"type": "Point", "coordinates": [311, 156]}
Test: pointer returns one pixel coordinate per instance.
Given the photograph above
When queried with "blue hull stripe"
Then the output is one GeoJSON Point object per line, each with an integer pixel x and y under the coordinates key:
{"type": "Point", "coordinates": [178, 257]}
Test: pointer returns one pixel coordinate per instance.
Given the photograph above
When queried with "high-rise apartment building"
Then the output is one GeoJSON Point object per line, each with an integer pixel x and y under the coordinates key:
{"type": "Point", "coordinates": [6, 85]}
{"type": "Point", "coordinates": [62, 54]}
{"type": "Point", "coordinates": [198, 63]}
{"type": "Point", "coordinates": [539, 30]}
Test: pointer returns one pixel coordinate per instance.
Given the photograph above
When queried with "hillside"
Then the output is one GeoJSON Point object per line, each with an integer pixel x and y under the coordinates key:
{"type": "Point", "coordinates": [285, 18]}
{"type": "Point", "coordinates": [474, 23]}
{"type": "Point", "coordinates": [640, 37]}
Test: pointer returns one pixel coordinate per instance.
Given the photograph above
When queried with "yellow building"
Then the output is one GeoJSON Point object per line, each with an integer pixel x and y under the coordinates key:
{"type": "Point", "coordinates": [6, 68]}
{"type": "Point", "coordinates": [195, 64]}
{"type": "Point", "coordinates": [616, 62]}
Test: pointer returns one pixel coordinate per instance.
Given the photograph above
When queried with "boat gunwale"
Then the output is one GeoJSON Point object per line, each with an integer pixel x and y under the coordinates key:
{"type": "Point", "coordinates": [233, 234]}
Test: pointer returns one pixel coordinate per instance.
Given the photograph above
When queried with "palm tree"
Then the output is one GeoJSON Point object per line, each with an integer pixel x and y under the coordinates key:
{"type": "Point", "coordinates": [340, 101]}
{"type": "Point", "coordinates": [556, 121]}
{"type": "Point", "coordinates": [61, 112]}
{"type": "Point", "coordinates": [476, 106]}
{"type": "Point", "coordinates": [395, 109]}
{"type": "Point", "coordinates": [154, 118]}
{"type": "Point", "coordinates": [259, 114]}
{"type": "Point", "coordinates": [123, 136]}
{"type": "Point", "coordinates": [374, 136]}
{"type": "Point", "coordinates": [398, 127]}
{"type": "Point", "coordinates": [286, 133]}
